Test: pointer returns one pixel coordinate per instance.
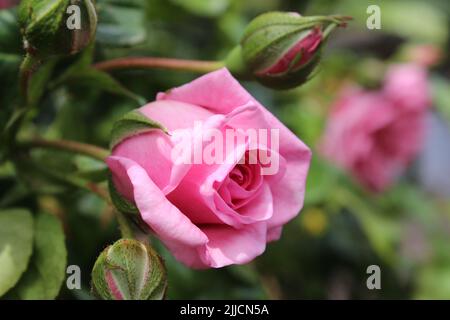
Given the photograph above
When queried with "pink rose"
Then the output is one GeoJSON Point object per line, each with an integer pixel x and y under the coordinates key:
{"type": "Point", "coordinates": [212, 214]}
{"type": "Point", "coordinates": [376, 134]}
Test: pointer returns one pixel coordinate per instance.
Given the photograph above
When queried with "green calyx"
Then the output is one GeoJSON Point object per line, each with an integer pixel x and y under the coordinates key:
{"type": "Point", "coordinates": [121, 204]}
{"type": "Point", "coordinates": [131, 124]}
{"type": "Point", "coordinates": [126, 207]}
{"type": "Point", "coordinates": [129, 270]}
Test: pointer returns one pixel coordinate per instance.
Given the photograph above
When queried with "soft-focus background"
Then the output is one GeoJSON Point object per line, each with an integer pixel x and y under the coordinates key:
{"type": "Point", "coordinates": [343, 228]}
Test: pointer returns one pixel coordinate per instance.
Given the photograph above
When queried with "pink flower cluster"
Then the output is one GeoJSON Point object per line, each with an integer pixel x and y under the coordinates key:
{"type": "Point", "coordinates": [375, 134]}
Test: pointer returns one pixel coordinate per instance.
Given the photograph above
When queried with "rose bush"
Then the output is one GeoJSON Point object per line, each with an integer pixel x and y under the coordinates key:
{"type": "Point", "coordinates": [375, 134]}
{"type": "Point", "coordinates": [216, 214]}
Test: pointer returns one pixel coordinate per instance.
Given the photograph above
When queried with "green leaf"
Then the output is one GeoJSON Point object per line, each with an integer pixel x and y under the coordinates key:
{"type": "Point", "coordinates": [382, 232]}
{"type": "Point", "coordinates": [39, 79]}
{"type": "Point", "coordinates": [90, 169]}
{"type": "Point", "coordinates": [10, 40]}
{"type": "Point", "coordinates": [101, 80]}
{"type": "Point", "coordinates": [207, 8]}
{"type": "Point", "coordinates": [39, 176]}
{"type": "Point", "coordinates": [47, 270]}
{"type": "Point", "coordinates": [9, 70]}
{"type": "Point", "coordinates": [133, 123]}
{"type": "Point", "coordinates": [16, 243]}
{"type": "Point", "coordinates": [121, 24]}
{"type": "Point", "coordinates": [82, 61]}
{"type": "Point", "coordinates": [81, 72]}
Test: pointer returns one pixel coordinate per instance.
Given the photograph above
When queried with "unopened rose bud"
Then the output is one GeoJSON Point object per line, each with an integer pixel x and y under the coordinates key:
{"type": "Point", "coordinates": [129, 270]}
{"type": "Point", "coordinates": [57, 27]}
{"type": "Point", "coordinates": [282, 49]}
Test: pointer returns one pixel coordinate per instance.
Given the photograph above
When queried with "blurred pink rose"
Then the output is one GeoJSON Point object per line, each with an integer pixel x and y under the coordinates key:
{"type": "Point", "coordinates": [211, 215]}
{"type": "Point", "coordinates": [376, 134]}
{"type": "Point", "coordinates": [407, 86]}
{"type": "Point", "coordinates": [4, 4]}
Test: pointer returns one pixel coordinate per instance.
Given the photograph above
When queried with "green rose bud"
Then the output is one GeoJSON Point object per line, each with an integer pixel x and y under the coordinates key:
{"type": "Point", "coordinates": [282, 49]}
{"type": "Point", "coordinates": [129, 270]}
{"type": "Point", "coordinates": [57, 27]}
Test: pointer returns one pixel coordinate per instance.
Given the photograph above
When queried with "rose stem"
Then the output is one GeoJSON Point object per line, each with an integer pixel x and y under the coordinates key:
{"type": "Point", "coordinates": [71, 146]}
{"type": "Point", "coordinates": [159, 63]}
{"type": "Point", "coordinates": [124, 225]}
{"type": "Point", "coordinates": [27, 69]}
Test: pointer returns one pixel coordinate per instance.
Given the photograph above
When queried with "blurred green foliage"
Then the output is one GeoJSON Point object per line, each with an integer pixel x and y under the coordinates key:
{"type": "Point", "coordinates": [342, 230]}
